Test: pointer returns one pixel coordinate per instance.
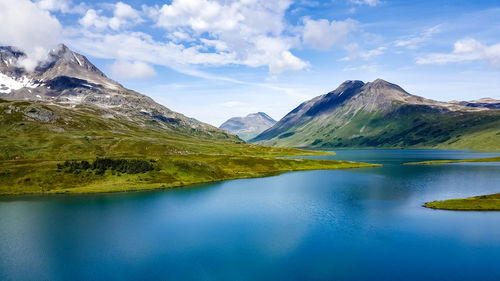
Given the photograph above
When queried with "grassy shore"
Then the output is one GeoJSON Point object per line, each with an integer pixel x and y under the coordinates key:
{"type": "Point", "coordinates": [31, 149]}
{"type": "Point", "coordinates": [477, 203]}
{"type": "Point", "coordinates": [492, 159]}
{"type": "Point", "coordinates": [43, 177]}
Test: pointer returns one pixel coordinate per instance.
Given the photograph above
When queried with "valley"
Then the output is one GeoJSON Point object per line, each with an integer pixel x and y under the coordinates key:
{"type": "Point", "coordinates": [36, 137]}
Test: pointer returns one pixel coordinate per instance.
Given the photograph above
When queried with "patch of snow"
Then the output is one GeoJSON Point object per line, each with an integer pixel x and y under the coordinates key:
{"type": "Point", "coordinates": [79, 62]}
{"type": "Point", "coordinates": [38, 96]}
{"type": "Point", "coordinates": [11, 83]}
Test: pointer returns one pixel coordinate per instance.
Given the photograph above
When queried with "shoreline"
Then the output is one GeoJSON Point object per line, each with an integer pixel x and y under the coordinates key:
{"type": "Point", "coordinates": [149, 187]}
{"type": "Point", "coordinates": [473, 160]}
{"type": "Point", "coordinates": [487, 203]}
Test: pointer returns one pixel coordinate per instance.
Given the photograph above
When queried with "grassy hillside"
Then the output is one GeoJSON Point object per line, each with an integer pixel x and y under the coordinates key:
{"type": "Point", "coordinates": [477, 203]}
{"type": "Point", "coordinates": [408, 126]}
{"type": "Point", "coordinates": [35, 138]}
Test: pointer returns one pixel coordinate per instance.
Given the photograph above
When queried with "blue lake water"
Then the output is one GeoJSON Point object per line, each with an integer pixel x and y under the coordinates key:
{"type": "Point", "coordinates": [359, 224]}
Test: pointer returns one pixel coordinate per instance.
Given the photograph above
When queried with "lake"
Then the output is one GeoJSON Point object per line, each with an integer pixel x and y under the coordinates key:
{"type": "Point", "coordinates": [359, 224]}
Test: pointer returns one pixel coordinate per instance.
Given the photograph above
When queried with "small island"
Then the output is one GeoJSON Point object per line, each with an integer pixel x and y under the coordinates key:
{"type": "Point", "coordinates": [477, 203]}
{"type": "Point", "coordinates": [492, 159]}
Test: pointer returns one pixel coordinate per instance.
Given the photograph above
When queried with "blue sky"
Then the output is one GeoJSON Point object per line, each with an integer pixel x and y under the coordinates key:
{"type": "Point", "coordinates": [213, 60]}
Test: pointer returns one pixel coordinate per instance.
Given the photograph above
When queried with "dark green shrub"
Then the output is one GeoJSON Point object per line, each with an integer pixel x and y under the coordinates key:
{"type": "Point", "coordinates": [100, 165]}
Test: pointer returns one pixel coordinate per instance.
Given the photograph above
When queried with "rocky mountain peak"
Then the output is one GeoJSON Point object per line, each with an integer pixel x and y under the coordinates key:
{"type": "Point", "coordinates": [69, 79]}
{"type": "Point", "coordinates": [382, 85]}
{"type": "Point", "coordinates": [348, 84]}
{"type": "Point", "coordinates": [61, 61]}
{"type": "Point", "coordinates": [261, 115]}
{"type": "Point", "coordinates": [64, 62]}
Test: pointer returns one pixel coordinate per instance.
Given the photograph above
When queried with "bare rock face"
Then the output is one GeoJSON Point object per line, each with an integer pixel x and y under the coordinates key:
{"type": "Point", "coordinates": [41, 114]}
{"type": "Point", "coordinates": [69, 79]}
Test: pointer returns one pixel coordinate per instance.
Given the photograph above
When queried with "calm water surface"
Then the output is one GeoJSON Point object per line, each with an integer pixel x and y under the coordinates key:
{"type": "Point", "coordinates": [361, 224]}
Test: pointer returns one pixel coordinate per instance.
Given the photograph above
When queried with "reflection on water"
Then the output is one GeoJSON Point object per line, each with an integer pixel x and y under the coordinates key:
{"type": "Point", "coordinates": [316, 225]}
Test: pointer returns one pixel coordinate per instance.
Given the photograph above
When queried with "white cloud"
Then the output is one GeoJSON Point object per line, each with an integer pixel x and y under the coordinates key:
{"type": "Point", "coordinates": [199, 32]}
{"type": "Point", "coordinates": [355, 51]}
{"type": "Point", "coordinates": [365, 68]}
{"type": "Point", "coordinates": [29, 28]}
{"type": "Point", "coordinates": [232, 104]}
{"type": "Point", "coordinates": [371, 3]}
{"type": "Point", "coordinates": [373, 52]}
{"type": "Point", "coordinates": [413, 42]}
{"type": "Point", "coordinates": [125, 11]}
{"type": "Point", "coordinates": [123, 15]}
{"type": "Point", "coordinates": [63, 6]}
{"type": "Point", "coordinates": [245, 32]}
{"type": "Point", "coordinates": [141, 46]}
{"type": "Point", "coordinates": [92, 19]}
{"type": "Point", "coordinates": [323, 34]}
{"type": "Point", "coordinates": [465, 50]}
{"type": "Point", "coordinates": [132, 70]}
{"type": "Point", "coordinates": [54, 5]}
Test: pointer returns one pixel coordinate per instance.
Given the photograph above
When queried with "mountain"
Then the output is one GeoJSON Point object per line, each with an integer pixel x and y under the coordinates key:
{"type": "Point", "coordinates": [382, 114]}
{"type": "Point", "coordinates": [56, 120]}
{"type": "Point", "coordinates": [249, 126]}
{"type": "Point", "coordinates": [484, 102]}
{"type": "Point", "coordinates": [69, 79]}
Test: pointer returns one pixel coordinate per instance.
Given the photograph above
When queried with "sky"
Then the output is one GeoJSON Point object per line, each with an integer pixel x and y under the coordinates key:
{"type": "Point", "coordinates": [216, 59]}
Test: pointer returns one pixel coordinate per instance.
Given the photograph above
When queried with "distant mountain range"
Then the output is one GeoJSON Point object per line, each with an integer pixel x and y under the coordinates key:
{"type": "Point", "coordinates": [249, 126]}
{"type": "Point", "coordinates": [484, 102]}
{"type": "Point", "coordinates": [356, 114]}
{"type": "Point", "coordinates": [69, 80]}
{"type": "Point", "coordinates": [382, 114]}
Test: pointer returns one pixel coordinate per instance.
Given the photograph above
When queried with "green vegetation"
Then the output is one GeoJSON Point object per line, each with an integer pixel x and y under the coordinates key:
{"type": "Point", "coordinates": [492, 159]}
{"type": "Point", "coordinates": [478, 203]}
{"type": "Point", "coordinates": [34, 138]}
{"type": "Point", "coordinates": [409, 126]}
{"type": "Point", "coordinates": [100, 165]}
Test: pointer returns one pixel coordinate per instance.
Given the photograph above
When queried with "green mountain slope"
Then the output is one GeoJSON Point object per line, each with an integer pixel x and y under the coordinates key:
{"type": "Point", "coordinates": [36, 137]}
{"type": "Point", "coordinates": [381, 114]}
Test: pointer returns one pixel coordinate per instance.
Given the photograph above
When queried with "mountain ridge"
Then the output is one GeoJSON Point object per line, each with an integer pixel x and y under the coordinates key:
{"type": "Point", "coordinates": [69, 79]}
{"type": "Point", "coordinates": [359, 114]}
